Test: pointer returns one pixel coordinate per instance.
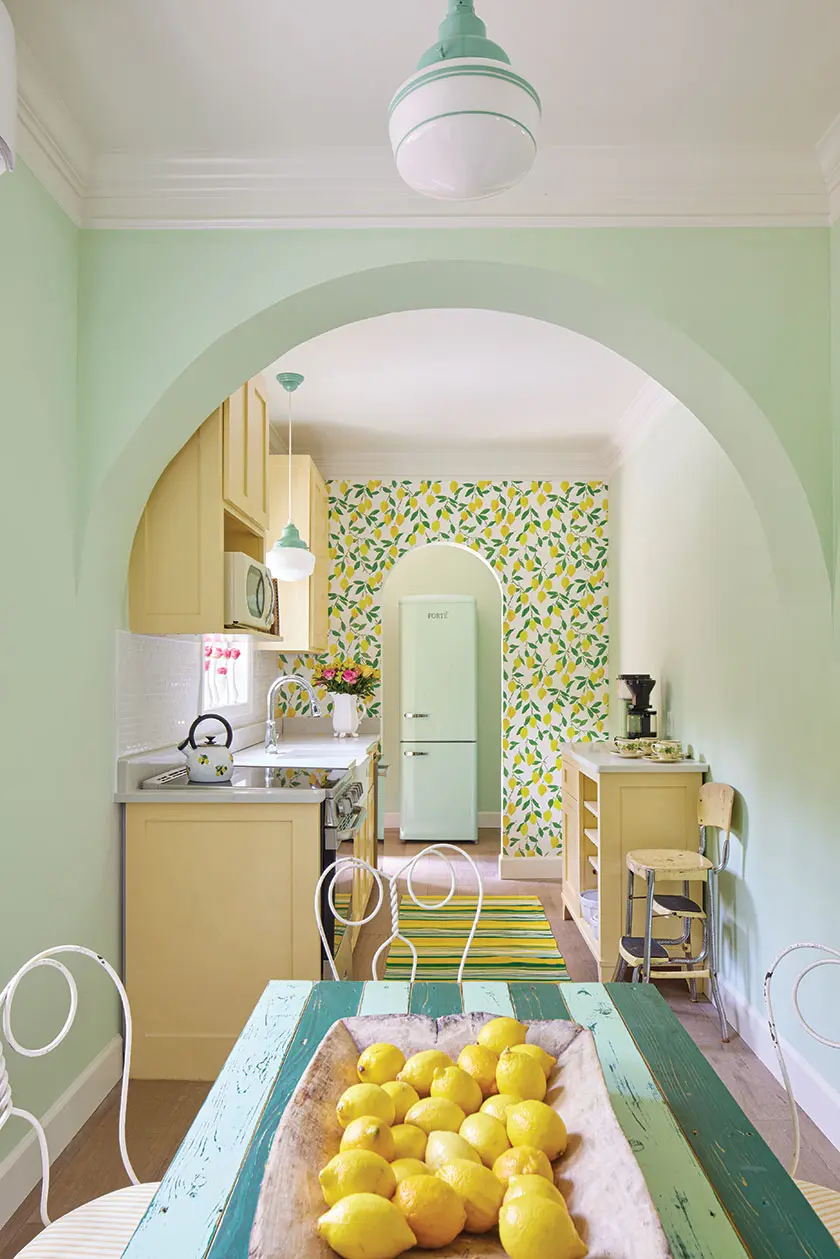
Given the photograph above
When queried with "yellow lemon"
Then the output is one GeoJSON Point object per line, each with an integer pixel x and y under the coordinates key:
{"type": "Point", "coordinates": [409, 1142]}
{"type": "Point", "coordinates": [534, 1123]}
{"type": "Point", "coordinates": [356, 1171]}
{"type": "Point", "coordinates": [517, 1073]}
{"type": "Point", "coordinates": [498, 1106]}
{"type": "Point", "coordinates": [539, 1055]}
{"type": "Point", "coordinates": [480, 1063]}
{"type": "Point", "coordinates": [436, 1114]}
{"type": "Point", "coordinates": [432, 1209]}
{"type": "Point", "coordinates": [479, 1190]}
{"type": "Point", "coordinates": [443, 1147]}
{"type": "Point", "coordinates": [366, 1226]}
{"type": "Point", "coordinates": [458, 1087]}
{"type": "Point", "coordinates": [500, 1034]}
{"type": "Point", "coordinates": [364, 1099]}
{"type": "Point", "coordinates": [369, 1133]}
{"type": "Point", "coordinates": [487, 1135]}
{"type": "Point", "coordinates": [405, 1167]}
{"type": "Point", "coordinates": [520, 1185]}
{"type": "Point", "coordinates": [402, 1095]}
{"type": "Point", "coordinates": [535, 1228]}
{"type": "Point", "coordinates": [420, 1069]}
{"type": "Point", "coordinates": [522, 1160]}
{"type": "Point", "coordinates": [380, 1063]}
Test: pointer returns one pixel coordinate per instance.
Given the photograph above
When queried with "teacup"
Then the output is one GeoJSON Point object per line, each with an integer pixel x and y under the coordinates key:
{"type": "Point", "coordinates": [628, 747]}
{"type": "Point", "coordinates": [667, 750]}
{"type": "Point", "coordinates": [646, 745]}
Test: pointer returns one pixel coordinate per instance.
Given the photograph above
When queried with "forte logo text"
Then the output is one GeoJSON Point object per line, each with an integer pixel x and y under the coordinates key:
{"type": "Point", "coordinates": [438, 616]}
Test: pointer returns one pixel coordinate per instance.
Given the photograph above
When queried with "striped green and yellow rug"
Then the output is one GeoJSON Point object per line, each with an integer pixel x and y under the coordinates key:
{"type": "Point", "coordinates": [514, 941]}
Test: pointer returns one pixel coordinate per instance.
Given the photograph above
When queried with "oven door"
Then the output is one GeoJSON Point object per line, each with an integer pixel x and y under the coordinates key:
{"type": "Point", "coordinates": [332, 838]}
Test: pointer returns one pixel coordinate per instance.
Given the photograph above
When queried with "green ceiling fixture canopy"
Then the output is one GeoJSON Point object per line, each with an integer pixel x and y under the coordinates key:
{"type": "Point", "coordinates": [462, 34]}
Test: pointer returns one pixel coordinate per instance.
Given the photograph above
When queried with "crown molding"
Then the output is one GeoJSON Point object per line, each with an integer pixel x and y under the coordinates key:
{"type": "Point", "coordinates": [651, 406]}
{"type": "Point", "coordinates": [359, 187]}
{"type": "Point", "coordinates": [549, 463]}
{"type": "Point", "coordinates": [828, 156]}
{"type": "Point", "coordinates": [49, 141]}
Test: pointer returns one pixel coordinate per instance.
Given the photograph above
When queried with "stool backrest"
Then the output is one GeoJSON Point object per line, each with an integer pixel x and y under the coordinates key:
{"type": "Point", "coordinates": [714, 808]}
{"type": "Point", "coordinates": [7, 1107]}
{"type": "Point", "coordinates": [344, 865]}
{"type": "Point", "coordinates": [831, 958]}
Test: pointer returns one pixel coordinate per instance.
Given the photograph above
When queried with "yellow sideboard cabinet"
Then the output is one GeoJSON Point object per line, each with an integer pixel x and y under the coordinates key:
{"type": "Point", "coordinates": [303, 604]}
{"type": "Point", "coordinates": [218, 901]}
{"type": "Point", "coordinates": [611, 806]}
{"type": "Point", "coordinates": [212, 498]}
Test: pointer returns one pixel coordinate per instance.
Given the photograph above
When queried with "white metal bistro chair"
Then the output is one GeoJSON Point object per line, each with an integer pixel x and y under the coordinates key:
{"type": "Point", "coordinates": [100, 1229]}
{"type": "Point", "coordinates": [345, 864]}
{"type": "Point", "coordinates": [826, 1202]}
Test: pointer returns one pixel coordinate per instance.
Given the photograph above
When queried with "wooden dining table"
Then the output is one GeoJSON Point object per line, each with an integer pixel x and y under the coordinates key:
{"type": "Point", "coordinates": [719, 1190]}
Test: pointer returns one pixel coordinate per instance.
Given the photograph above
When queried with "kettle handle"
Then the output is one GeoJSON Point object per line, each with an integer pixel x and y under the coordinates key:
{"type": "Point", "coordinates": [190, 739]}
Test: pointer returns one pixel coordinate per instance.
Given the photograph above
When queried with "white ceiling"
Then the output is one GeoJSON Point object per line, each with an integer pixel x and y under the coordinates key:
{"type": "Point", "coordinates": [206, 111]}
{"type": "Point", "coordinates": [458, 392]}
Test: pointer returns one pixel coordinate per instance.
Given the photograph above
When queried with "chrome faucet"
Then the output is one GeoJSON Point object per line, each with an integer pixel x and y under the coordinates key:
{"type": "Point", "coordinates": [274, 690]}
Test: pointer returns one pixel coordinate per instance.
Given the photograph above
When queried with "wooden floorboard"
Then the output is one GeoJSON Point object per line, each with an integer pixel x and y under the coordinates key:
{"type": "Point", "coordinates": [160, 1112]}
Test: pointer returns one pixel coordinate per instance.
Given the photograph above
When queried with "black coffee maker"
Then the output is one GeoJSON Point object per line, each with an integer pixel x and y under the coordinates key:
{"type": "Point", "coordinates": [639, 717]}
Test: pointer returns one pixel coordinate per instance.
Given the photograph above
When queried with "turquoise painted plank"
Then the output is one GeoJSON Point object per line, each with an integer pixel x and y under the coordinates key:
{"type": "Point", "coordinates": [492, 998]}
{"type": "Point", "coordinates": [771, 1215]}
{"type": "Point", "coordinates": [327, 1002]}
{"type": "Point", "coordinates": [185, 1211]}
{"type": "Point", "coordinates": [694, 1221]}
{"type": "Point", "coordinates": [385, 996]}
{"type": "Point", "coordinates": [538, 1001]}
{"type": "Point", "coordinates": [436, 999]}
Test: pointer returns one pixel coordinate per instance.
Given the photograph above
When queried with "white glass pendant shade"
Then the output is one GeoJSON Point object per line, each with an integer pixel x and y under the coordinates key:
{"type": "Point", "coordinates": [290, 558]}
{"type": "Point", "coordinates": [466, 125]}
{"type": "Point", "coordinates": [8, 91]}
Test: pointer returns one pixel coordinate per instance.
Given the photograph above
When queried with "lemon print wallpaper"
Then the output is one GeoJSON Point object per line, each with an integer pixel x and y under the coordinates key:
{"type": "Point", "coordinates": [547, 544]}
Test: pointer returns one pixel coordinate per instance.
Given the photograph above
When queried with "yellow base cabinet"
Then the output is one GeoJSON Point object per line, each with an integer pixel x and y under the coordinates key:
{"type": "Point", "coordinates": [211, 498]}
{"type": "Point", "coordinates": [218, 901]}
{"type": "Point", "coordinates": [303, 604]}
{"type": "Point", "coordinates": [609, 809]}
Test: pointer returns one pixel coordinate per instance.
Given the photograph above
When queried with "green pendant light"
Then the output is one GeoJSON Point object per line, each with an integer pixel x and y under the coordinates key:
{"type": "Point", "coordinates": [290, 559]}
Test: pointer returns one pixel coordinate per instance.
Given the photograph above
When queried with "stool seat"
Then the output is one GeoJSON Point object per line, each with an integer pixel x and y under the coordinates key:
{"type": "Point", "coordinates": [669, 863]}
{"type": "Point", "coordinates": [632, 949]}
{"type": "Point", "coordinates": [677, 906]}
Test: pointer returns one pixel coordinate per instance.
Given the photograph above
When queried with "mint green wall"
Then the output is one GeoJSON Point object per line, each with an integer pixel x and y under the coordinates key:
{"type": "Point", "coordinates": [446, 570]}
{"type": "Point", "coordinates": [750, 678]}
{"type": "Point", "coordinates": [58, 843]}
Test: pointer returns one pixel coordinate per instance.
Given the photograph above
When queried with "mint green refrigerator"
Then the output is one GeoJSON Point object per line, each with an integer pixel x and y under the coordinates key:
{"type": "Point", "coordinates": [438, 719]}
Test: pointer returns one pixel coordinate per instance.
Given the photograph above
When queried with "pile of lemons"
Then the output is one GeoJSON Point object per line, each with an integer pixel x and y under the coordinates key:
{"type": "Point", "coordinates": [432, 1148]}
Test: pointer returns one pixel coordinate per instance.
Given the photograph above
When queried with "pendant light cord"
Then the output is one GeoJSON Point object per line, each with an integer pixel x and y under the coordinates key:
{"type": "Point", "coordinates": [290, 457]}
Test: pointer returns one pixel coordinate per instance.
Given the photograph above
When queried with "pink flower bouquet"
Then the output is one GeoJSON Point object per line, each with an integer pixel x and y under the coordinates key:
{"type": "Point", "coordinates": [347, 677]}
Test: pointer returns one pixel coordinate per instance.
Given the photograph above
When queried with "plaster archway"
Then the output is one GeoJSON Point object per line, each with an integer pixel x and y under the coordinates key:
{"type": "Point", "coordinates": [687, 370]}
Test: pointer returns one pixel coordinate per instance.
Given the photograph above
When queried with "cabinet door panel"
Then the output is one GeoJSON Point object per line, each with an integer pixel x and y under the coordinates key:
{"type": "Point", "coordinates": [246, 452]}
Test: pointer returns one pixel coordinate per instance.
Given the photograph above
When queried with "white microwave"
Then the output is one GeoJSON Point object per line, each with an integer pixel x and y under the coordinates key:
{"type": "Point", "coordinates": [249, 593]}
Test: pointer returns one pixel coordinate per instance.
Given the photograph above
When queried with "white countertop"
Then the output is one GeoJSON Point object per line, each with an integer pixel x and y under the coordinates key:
{"type": "Point", "coordinates": [310, 752]}
{"type": "Point", "coordinates": [596, 758]}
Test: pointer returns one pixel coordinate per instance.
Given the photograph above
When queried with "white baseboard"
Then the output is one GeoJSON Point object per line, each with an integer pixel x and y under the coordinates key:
{"type": "Point", "coordinates": [540, 869]}
{"type": "Point", "coordinates": [20, 1171]}
{"type": "Point", "coordinates": [486, 821]}
{"type": "Point", "coordinates": [813, 1094]}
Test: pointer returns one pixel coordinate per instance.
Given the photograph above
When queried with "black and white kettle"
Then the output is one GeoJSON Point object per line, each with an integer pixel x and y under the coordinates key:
{"type": "Point", "coordinates": [208, 761]}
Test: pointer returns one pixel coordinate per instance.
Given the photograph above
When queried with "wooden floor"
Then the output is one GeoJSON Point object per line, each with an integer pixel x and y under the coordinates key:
{"type": "Point", "coordinates": [160, 1112]}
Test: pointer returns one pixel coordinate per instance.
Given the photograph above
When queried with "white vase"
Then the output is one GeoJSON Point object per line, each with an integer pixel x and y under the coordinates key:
{"type": "Point", "coordinates": [345, 716]}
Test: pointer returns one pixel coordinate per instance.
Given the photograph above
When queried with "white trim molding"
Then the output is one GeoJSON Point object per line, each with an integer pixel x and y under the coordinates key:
{"type": "Point", "coordinates": [49, 141]}
{"type": "Point", "coordinates": [533, 869]}
{"type": "Point", "coordinates": [813, 1094]}
{"type": "Point", "coordinates": [486, 821]}
{"type": "Point", "coordinates": [828, 155]}
{"type": "Point", "coordinates": [544, 463]}
{"type": "Point", "coordinates": [20, 1171]}
{"type": "Point", "coordinates": [647, 411]}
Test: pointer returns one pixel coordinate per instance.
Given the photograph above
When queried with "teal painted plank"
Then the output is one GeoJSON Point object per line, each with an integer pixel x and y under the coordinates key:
{"type": "Point", "coordinates": [435, 1000]}
{"type": "Point", "coordinates": [694, 1221]}
{"type": "Point", "coordinates": [771, 1215]}
{"type": "Point", "coordinates": [538, 1001]}
{"type": "Point", "coordinates": [385, 996]}
{"type": "Point", "coordinates": [185, 1211]}
{"type": "Point", "coordinates": [328, 1002]}
{"type": "Point", "coordinates": [492, 998]}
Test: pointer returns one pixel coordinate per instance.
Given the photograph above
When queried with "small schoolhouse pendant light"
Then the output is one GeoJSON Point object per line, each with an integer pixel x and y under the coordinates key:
{"type": "Point", "coordinates": [290, 559]}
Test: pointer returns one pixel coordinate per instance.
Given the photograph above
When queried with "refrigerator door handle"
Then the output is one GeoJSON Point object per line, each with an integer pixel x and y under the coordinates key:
{"type": "Point", "coordinates": [415, 753]}
{"type": "Point", "coordinates": [413, 716]}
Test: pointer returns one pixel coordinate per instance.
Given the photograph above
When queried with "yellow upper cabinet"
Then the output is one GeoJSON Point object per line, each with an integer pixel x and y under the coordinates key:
{"type": "Point", "coordinates": [303, 604]}
{"type": "Point", "coordinates": [245, 452]}
{"type": "Point", "coordinates": [196, 512]}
